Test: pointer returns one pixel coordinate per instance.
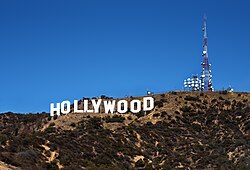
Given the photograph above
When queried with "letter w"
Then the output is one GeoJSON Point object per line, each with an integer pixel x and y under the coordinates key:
{"type": "Point", "coordinates": [109, 106]}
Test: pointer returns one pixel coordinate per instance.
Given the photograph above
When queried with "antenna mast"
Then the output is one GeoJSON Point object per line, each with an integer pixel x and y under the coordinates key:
{"type": "Point", "coordinates": [206, 75]}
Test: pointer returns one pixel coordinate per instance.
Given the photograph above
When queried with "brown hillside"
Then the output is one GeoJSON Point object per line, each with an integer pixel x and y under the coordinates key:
{"type": "Point", "coordinates": [184, 131]}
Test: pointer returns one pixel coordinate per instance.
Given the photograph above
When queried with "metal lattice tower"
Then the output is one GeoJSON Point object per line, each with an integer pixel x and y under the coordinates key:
{"type": "Point", "coordinates": [206, 75]}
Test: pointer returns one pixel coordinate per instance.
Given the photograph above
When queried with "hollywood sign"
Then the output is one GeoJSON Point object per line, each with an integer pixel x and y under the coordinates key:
{"type": "Point", "coordinates": [93, 106]}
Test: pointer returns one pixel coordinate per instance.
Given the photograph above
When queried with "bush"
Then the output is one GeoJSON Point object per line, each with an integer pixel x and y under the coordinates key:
{"type": "Point", "coordinates": [163, 113]}
{"type": "Point", "coordinates": [51, 166]}
{"type": "Point", "coordinates": [3, 138]}
{"type": "Point", "coordinates": [139, 163]}
{"type": "Point", "coordinates": [223, 92]}
{"type": "Point", "coordinates": [130, 118]}
{"type": "Point", "coordinates": [149, 123]}
{"type": "Point", "coordinates": [159, 103]}
{"type": "Point", "coordinates": [186, 109]}
{"type": "Point", "coordinates": [103, 97]}
{"type": "Point", "coordinates": [214, 101]}
{"type": "Point", "coordinates": [205, 102]}
{"type": "Point", "coordinates": [55, 117]}
{"type": "Point", "coordinates": [191, 98]}
{"type": "Point", "coordinates": [176, 112]}
{"type": "Point", "coordinates": [140, 114]}
{"type": "Point", "coordinates": [247, 126]}
{"type": "Point", "coordinates": [50, 130]}
{"type": "Point", "coordinates": [221, 98]}
{"type": "Point", "coordinates": [156, 115]}
{"type": "Point", "coordinates": [115, 118]}
{"type": "Point", "coordinates": [73, 124]}
{"type": "Point", "coordinates": [163, 100]}
{"type": "Point", "coordinates": [173, 92]}
{"type": "Point", "coordinates": [227, 102]}
{"type": "Point", "coordinates": [162, 95]}
{"type": "Point", "coordinates": [52, 124]}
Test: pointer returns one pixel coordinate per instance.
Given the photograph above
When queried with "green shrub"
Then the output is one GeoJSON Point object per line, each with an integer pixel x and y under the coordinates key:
{"type": "Point", "coordinates": [149, 123]}
{"type": "Point", "coordinates": [221, 98]}
{"type": "Point", "coordinates": [223, 92]}
{"type": "Point", "coordinates": [3, 138]}
{"type": "Point", "coordinates": [156, 115]}
{"type": "Point", "coordinates": [186, 108]}
{"type": "Point", "coordinates": [173, 92]}
{"type": "Point", "coordinates": [191, 98]}
{"type": "Point", "coordinates": [73, 124]}
{"type": "Point", "coordinates": [115, 118]}
{"type": "Point", "coordinates": [159, 103]}
{"type": "Point", "coordinates": [163, 113]}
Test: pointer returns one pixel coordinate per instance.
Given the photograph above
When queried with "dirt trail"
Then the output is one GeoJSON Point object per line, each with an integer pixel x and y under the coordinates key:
{"type": "Point", "coordinates": [4, 166]}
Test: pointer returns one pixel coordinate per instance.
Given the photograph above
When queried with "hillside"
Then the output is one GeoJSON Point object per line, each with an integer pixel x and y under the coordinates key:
{"type": "Point", "coordinates": [184, 131]}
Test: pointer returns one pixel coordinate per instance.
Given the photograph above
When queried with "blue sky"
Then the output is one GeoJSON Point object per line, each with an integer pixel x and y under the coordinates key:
{"type": "Point", "coordinates": [56, 50]}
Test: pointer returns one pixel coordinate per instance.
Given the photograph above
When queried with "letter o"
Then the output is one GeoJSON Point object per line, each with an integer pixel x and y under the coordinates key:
{"type": "Point", "coordinates": [119, 106]}
{"type": "Point", "coordinates": [67, 110]}
{"type": "Point", "coordinates": [132, 106]}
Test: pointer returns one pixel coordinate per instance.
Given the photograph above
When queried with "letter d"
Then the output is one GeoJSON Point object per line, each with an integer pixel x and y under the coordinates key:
{"type": "Point", "coordinates": [147, 107]}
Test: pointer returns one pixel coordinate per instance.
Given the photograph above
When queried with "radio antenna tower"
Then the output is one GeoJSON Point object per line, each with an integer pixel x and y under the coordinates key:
{"type": "Point", "coordinates": [206, 75]}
